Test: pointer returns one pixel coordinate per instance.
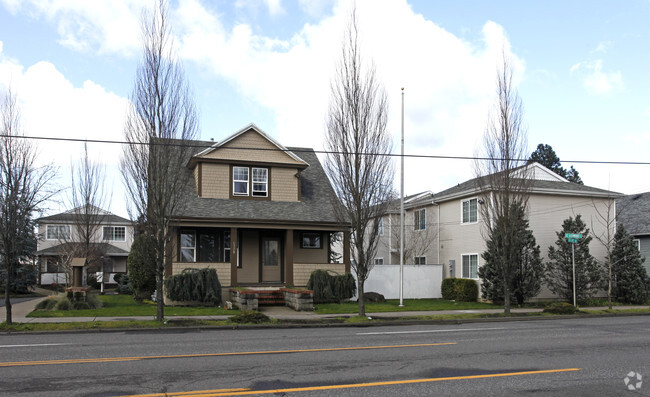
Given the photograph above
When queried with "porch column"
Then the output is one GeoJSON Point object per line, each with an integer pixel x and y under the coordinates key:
{"type": "Point", "coordinates": [234, 255]}
{"type": "Point", "coordinates": [346, 250]}
{"type": "Point", "coordinates": [288, 256]}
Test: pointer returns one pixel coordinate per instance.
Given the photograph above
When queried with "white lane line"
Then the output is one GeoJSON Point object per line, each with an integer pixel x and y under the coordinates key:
{"type": "Point", "coordinates": [36, 345]}
{"type": "Point", "coordinates": [428, 331]}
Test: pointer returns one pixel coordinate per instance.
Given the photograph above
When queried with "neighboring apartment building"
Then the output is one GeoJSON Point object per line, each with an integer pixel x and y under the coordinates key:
{"type": "Point", "coordinates": [634, 213]}
{"type": "Point", "coordinates": [259, 213]}
{"type": "Point", "coordinates": [59, 240]}
{"type": "Point", "coordinates": [453, 220]}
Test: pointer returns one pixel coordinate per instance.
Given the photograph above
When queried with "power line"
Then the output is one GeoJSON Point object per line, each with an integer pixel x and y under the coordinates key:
{"type": "Point", "coordinates": [205, 145]}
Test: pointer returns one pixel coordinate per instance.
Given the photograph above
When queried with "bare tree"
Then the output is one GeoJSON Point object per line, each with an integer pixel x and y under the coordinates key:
{"type": "Point", "coordinates": [358, 144]}
{"type": "Point", "coordinates": [161, 119]}
{"type": "Point", "coordinates": [606, 215]}
{"type": "Point", "coordinates": [417, 242]}
{"type": "Point", "coordinates": [24, 186]}
{"type": "Point", "coordinates": [501, 177]}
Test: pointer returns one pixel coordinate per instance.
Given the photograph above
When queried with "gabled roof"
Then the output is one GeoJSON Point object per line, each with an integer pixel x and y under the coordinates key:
{"type": "Point", "coordinates": [250, 127]}
{"type": "Point", "coordinates": [543, 182]}
{"type": "Point", "coordinates": [412, 201]}
{"type": "Point", "coordinates": [74, 214]}
{"type": "Point", "coordinates": [634, 213]}
{"type": "Point", "coordinates": [61, 249]}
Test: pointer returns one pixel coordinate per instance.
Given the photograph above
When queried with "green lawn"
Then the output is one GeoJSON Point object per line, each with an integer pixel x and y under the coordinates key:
{"type": "Point", "coordinates": [392, 305]}
{"type": "Point", "coordinates": [124, 305]}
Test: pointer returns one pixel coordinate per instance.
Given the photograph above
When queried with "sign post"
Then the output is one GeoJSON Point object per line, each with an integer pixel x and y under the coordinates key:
{"type": "Point", "coordinates": [573, 239]}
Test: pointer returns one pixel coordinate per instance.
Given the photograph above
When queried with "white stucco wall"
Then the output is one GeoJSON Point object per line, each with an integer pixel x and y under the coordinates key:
{"type": "Point", "coordinates": [420, 281]}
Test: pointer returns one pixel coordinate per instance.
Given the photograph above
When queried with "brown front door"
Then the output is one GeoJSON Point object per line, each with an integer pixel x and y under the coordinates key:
{"type": "Point", "coordinates": [271, 259]}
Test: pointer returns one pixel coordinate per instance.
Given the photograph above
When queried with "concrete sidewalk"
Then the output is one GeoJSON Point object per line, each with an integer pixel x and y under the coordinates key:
{"type": "Point", "coordinates": [22, 309]}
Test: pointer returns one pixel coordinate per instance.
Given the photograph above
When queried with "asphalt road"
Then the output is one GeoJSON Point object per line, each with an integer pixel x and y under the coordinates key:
{"type": "Point", "coordinates": [583, 357]}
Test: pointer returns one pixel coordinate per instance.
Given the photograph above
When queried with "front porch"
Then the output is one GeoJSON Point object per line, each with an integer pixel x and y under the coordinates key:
{"type": "Point", "coordinates": [252, 299]}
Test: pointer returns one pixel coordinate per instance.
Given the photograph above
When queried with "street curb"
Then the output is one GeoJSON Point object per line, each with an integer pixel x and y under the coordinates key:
{"type": "Point", "coordinates": [382, 321]}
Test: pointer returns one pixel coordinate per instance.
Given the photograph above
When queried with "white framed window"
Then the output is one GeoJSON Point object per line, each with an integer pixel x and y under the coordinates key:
{"type": "Point", "coordinates": [470, 266]}
{"type": "Point", "coordinates": [310, 240]}
{"type": "Point", "coordinates": [469, 211]}
{"type": "Point", "coordinates": [260, 182]}
{"type": "Point", "coordinates": [57, 232]}
{"type": "Point", "coordinates": [188, 246]}
{"type": "Point", "coordinates": [379, 261]}
{"type": "Point", "coordinates": [420, 219]}
{"type": "Point", "coordinates": [638, 244]}
{"type": "Point", "coordinates": [240, 180]}
{"type": "Point", "coordinates": [420, 260]}
{"type": "Point", "coordinates": [380, 227]}
{"type": "Point", "coordinates": [114, 233]}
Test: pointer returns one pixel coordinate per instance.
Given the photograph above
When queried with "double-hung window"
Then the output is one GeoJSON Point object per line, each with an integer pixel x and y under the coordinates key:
{"type": "Point", "coordinates": [470, 211]}
{"type": "Point", "coordinates": [420, 260]}
{"type": "Point", "coordinates": [188, 246]}
{"type": "Point", "coordinates": [260, 182]}
{"type": "Point", "coordinates": [57, 232]}
{"type": "Point", "coordinates": [420, 219]}
{"type": "Point", "coordinates": [114, 233]}
{"type": "Point", "coordinates": [379, 261]}
{"type": "Point", "coordinates": [470, 266]}
{"type": "Point", "coordinates": [240, 180]}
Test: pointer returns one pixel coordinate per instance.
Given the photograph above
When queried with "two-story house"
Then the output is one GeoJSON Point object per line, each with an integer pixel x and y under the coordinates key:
{"type": "Point", "coordinates": [259, 213]}
{"type": "Point", "coordinates": [634, 213]}
{"type": "Point", "coordinates": [62, 237]}
{"type": "Point", "coordinates": [453, 222]}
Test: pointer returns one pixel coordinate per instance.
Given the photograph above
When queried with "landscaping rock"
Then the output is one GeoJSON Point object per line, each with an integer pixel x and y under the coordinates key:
{"type": "Point", "coordinates": [374, 297]}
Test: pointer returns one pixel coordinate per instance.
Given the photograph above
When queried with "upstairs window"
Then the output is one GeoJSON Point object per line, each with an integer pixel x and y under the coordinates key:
{"type": "Point", "coordinates": [260, 182]}
{"type": "Point", "coordinates": [420, 219]}
{"type": "Point", "coordinates": [380, 227]}
{"type": "Point", "coordinates": [379, 261]}
{"type": "Point", "coordinates": [240, 181]}
{"type": "Point", "coordinates": [114, 233]}
{"type": "Point", "coordinates": [420, 260]}
{"type": "Point", "coordinates": [57, 232]}
{"type": "Point", "coordinates": [470, 211]}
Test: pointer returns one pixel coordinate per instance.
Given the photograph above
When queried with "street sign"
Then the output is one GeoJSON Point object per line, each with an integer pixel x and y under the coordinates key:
{"type": "Point", "coordinates": [572, 240]}
{"type": "Point", "coordinates": [572, 235]}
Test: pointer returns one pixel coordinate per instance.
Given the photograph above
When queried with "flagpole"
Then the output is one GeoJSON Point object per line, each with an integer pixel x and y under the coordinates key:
{"type": "Point", "coordinates": [401, 216]}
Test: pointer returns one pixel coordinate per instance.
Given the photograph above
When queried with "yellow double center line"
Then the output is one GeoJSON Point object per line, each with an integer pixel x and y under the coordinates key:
{"type": "Point", "coordinates": [119, 359]}
{"type": "Point", "coordinates": [243, 392]}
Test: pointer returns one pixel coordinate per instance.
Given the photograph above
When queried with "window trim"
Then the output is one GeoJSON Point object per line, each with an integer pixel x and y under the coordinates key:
{"type": "Point", "coordinates": [637, 241]}
{"type": "Point", "coordinates": [462, 267]}
{"type": "Point", "coordinates": [469, 222]}
{"type": "Point", "coordinates": [420, 219]}
{"type": "Point", "coordinates": [302, 240]}
{"type": "Point", "coordinates": [266, 182]}
{"type": "Point", "coordinates": [250, 183]}
{"type": "Point", "coordinates": [379, 261]}
{"type": "Point", "coordinates": [56, 232]}
{"type": "Point", "coordinates": [415, 260]}
{"type": "Point", "coordinates": [380, 227]}
{"type": "Point", "coordinates": [181, 247]}
{"type": "Point", "coordinates": [234, 181]}
{"type": "Point", "coordinates": [113, 228]}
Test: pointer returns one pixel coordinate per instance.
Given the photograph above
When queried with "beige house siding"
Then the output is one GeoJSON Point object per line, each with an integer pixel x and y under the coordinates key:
{"type": "Point", "coordinates": [215, 180]}
{"type": "Point", "coordinates": [301, 272]}
{"type": "Point", "coordinates": [223, 269]}
{"type": "Point", "coordinates": [253, 140]}
{"type": "Point", "coordinates": [458, 239]}
{"type": "Point", "coordinates": [310, 255]}
{"type": "Point", "coordinates": [417, 242]}
{"type": "Point", "coordinates": [284, 184]}
{"type": "Point", "coordinates": [44, 243]}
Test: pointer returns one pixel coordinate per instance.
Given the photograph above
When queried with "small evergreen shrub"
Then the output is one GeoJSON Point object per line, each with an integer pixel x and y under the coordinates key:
{"type": "Point", "coordinates": [448, 289]}
{"type": "Point", "coordinates": [459, 289]}
{"type": "Point", "coordinates": [117, 277]}
{"type": "Point", "coordinates": [80, 305]}
{"type": "Point", "coordinates": [194, 285]}
{"type": "Point", "coordinates": [93, 301]}
{"type": "Point", "coordinates": [93, 283]}
{"type": "Point", "coordinates": [141, 266]}
{"type": "Point", "coordinates": [124, 285]}
{"type": "Point", "coordinates": [250, 317]}
{"type": "Point", "coordinates": [46, 304]}
{"type": "Point", "coordinates": [560, 308]}
{"type": "Point", "coordinates": [63, 304]}
{"type": "Point", "coordinates": [331, 288]}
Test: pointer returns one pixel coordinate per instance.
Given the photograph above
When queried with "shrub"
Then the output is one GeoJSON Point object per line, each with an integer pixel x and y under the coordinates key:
{"type": "Point", "coordinates": [331, 288]}
{"type": "Point", "coordinates": [80, 305]}
{"type": "Point", "coordinates": [25, 277]}
{"type": "Point", "coordinates": [194, 285]}
{"type": "Point", "coordinates": [459, 289]}
{"type": "Point", "coordinates": [124, 285]}
{"type": "Point", "coordinates": [117, 277]}
{"type": "Point", "coordinates": [250, 317]}
{"type": "Point", "coordinates": [92, 282]}
{"type": "Point", "coordinates": [63, 304]}
{"type": "Point", "coordinates": [46, 304]}
{"type": "Point", "coordinates": [560, 308]}
{"type": "Point", "coordinates": [93, 302]}
{"type": "Point", "coordinates": [142, 266]}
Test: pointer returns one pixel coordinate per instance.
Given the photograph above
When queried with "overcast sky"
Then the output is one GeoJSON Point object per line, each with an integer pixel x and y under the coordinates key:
{"type": "Point", "coordinates": [582, 69]}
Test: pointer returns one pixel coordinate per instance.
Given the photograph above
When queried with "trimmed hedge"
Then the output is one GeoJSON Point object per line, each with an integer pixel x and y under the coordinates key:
{"type": "Point", "coordinates": [459, 289]}
{"type": "Point", "coordinates": [194, 285]}
{"type": "Point", "coordinates": [560, 308]}
{"type": "Point", "coordinates": [331, 288]}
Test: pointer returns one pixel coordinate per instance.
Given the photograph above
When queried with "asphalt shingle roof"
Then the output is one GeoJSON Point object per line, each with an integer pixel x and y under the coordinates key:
{"type": "Point", "coordinates": [315, 205]}
{"type": "Point", "coordinates": [102, 247]}
{"type": "Point", "coordinates": [634, 213]}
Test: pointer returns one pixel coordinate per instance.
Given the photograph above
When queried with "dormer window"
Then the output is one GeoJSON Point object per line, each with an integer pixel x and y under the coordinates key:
{"type": "Point", "coordinates": [243, 185]}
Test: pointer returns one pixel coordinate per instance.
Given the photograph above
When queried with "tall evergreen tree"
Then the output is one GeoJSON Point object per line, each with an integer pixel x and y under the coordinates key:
{"type": "Point", "coordinates": [559, 270]}
{"type": "Point", "coordinates": [546, 156]}
{"type": "Point", "coordinates": [631, 278]}
{"type": "Point", "coordinates": [525, 278]}
{"type": "Point", "coordinates": [573, 176]}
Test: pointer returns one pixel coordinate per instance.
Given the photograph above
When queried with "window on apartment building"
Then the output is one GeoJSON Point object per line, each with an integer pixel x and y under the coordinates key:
{"type": "Point", "coordinates": [380, 227]}
{"type": "Point", "coordinates": [205, 245]}
{"type": "Point", "coordinates": [114, 233]}
{"type": "Point", "coordinates": [470, 266]}
{"type": "Point", "coordinates": [310, 240]}
{"type": "Point", "coordinates": [242, 183]}
{"type": "Point", "coordinates": [379, 261]}
{"type": "Point", "coordinates": [420, 219]}
{"type": "Point", "coordinates": [57, 232]}
{"type": "Point", "coordinates": [420, 260]}
{"type": "Point", "coordinates": [470, 211]}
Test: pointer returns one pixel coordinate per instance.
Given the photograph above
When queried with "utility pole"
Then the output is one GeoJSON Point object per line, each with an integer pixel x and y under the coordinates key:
{"type": "Point", "coordinates": [401, 216]}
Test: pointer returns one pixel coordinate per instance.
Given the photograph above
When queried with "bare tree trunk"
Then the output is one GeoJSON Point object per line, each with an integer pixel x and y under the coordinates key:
{"type": "Point", "coordinates": [8, 317]}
